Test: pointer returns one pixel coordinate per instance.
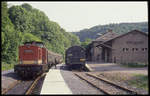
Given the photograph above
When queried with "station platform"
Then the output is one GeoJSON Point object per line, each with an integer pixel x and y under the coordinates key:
{"type": "Point", "coordinates": [54, 83]}
{"type": "Point", "coordinates": [109, 67]}
{"type": "Point", "coordinates": [88, 67]}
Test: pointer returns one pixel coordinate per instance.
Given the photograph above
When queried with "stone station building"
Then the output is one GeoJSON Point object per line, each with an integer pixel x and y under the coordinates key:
{"type": "Point", "coordinates": [131, 47]}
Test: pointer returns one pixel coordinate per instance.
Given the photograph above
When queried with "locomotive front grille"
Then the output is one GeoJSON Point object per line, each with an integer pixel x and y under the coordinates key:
{"type": "Point", "coordinates": [74, 59]}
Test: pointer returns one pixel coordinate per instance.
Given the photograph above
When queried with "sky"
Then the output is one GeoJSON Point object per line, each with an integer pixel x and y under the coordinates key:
{"type": "Point", "coordinates": [76, 16]}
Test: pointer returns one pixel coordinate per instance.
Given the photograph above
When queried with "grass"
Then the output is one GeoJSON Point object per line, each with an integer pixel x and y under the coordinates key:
{"type": "Point", "coordinates": [134, 79]}
{"type": "Point", "coordinates": [139, 81]}
{"type": "Point", "coordinates": [135, 65]}
{"type": "Point", "coordinates": [6, 66]}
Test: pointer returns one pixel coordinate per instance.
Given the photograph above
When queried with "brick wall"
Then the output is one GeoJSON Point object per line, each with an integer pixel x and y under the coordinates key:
{"type": "Point", "coordinates": [132, 47]}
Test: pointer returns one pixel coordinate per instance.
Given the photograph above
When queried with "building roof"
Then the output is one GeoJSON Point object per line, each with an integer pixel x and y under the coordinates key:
{"type": "Point", "coordinates": [107, 36]}
{"type": "Point", "coordinates": [111, 36]}
{"type": "Point", "coordinates": [128, 33]}
{"type": "Point", "coordinates": [102, 44]}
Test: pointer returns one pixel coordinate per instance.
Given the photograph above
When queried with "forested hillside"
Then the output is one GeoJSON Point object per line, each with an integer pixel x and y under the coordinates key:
{"type": "Point", "coordinates": [25, 23]}
{"type": "Point", "coordinates": [121, 28]}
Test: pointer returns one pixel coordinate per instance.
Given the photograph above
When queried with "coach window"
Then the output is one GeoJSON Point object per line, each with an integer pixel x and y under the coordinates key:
{"type": "Point", "coordinates": [127, 49]}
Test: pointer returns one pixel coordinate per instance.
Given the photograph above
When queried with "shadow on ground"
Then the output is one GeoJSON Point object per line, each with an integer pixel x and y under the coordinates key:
{"type": "Point", "coordinates": [12, 75]}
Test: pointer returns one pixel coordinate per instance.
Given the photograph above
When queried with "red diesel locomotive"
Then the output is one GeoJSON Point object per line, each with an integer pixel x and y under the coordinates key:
{"type": "Point", "coordinates": [34, 59]}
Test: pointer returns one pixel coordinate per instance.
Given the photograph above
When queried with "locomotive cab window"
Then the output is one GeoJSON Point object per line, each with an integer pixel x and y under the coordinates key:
{"type": "Point", "coordinates": [40, 45]}
{"type": "Point", "coordinates": [27, 43]}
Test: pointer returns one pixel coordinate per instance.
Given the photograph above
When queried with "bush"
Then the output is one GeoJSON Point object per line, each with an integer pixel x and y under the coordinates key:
{"type": "Point", "coordinates": [140, 81]}
{"type": "Point", "coordinates": [6, 66]}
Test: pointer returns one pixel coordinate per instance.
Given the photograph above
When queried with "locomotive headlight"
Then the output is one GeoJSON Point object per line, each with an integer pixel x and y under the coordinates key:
{"type": "Point", "coordinates": [82, 60]}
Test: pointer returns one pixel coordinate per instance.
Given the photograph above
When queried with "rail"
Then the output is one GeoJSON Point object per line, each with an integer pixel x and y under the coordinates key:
{"type": "Point", "coordinates": [107, 87]}
{"type": "Point", "coordinates": [11, 86]}
{"type": "Point", "coordinates": [112, 83]}
{"type": "Point", "coordinates": [30, 89]}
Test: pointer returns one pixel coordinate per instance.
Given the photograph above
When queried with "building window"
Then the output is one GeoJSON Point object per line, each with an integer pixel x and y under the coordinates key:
{"type": "Point", "coordinates": [125, 49]}
{"type": "Point", "coordinates": [133, 49]}
{"type": "Point", "coordinates": [136, 49]}
{"type": "Point", "coordinates": [144, 49]}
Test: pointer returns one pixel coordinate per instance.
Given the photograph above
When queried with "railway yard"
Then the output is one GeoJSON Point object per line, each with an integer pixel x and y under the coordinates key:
{"type": "Point", "coordinates": [39, 57]}
{"type": "Point", "coordinates": [101, 79]}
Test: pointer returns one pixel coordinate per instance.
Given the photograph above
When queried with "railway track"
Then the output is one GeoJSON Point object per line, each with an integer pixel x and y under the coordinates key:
{"type": "Point", "coordinates": [83, 69]}
{"type": "Point", "coordinates": [22, 87]}
{"type": "Point", "coordinates": [106, 86]}
{"type": "Point", "coordinates": [11, 86]}
{"type": "Point", "coordinates": [30, 89]}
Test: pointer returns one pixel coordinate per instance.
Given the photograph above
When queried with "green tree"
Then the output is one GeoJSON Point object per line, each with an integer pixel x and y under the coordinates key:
{"type": "Point", "coordinates": [29, 37]}
{"type": "Point", "coordinates": [120, 28]}
{"type": "Point", "coordinates": [86, 42]}
{"type": "Point", "coordinates": [24, 23]}
{"type": "Point", "coordinates": [9, 34]}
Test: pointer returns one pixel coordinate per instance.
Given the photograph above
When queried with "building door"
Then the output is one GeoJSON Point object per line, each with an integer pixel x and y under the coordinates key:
{"type": "Point", "coordinates": [107, 55]}
{"type": "Point", "coordinates": [114, 59]}
{"type": "Point", "coordinates": [103, 54]}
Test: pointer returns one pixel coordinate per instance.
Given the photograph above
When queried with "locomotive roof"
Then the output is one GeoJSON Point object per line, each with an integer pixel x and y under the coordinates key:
{"type": "Point", "coordinates": [74, 47]}
{"type": "Point", "coordinates": [34, 41]}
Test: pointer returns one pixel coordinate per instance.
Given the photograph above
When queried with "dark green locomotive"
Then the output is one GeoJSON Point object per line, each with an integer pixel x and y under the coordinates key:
{"type": "Point", "coordinates": [75, 57]}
